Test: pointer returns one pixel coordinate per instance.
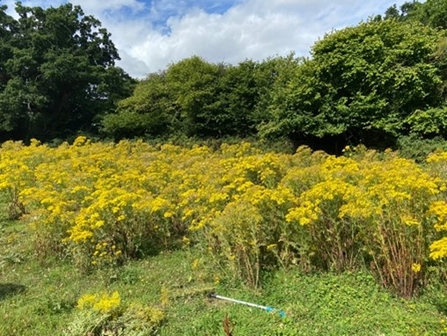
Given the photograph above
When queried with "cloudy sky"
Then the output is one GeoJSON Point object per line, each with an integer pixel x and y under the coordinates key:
{"type": "Point", "coordinates": [151, 34]}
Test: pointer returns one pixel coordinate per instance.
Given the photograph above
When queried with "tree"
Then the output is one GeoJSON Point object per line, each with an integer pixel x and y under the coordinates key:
{"type": "Point", "coordinates": [183, 99]}
{"type": "Point", "coordinates": [194, 84]}
{"type": "Point", "coordinates": [432, 13]}
{"type": "Point", "coordinates": [406, 12]}
{"type": "Point", "coordinates": [362, 83]}
{"type": "Point", "coordinates": [148, 112]}
{"type": "Point", "coordinates": [57, 73]}
{"type": "Point", "coordinates": [7, 29]}
{"type": "Point", "coordinates": [237, 98]}
{"type": "Point", "coordinates": [244, 95]}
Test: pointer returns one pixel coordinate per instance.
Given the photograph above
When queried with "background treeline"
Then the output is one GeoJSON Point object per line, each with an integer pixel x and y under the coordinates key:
{"type": "Point", "coordinates": [381, 83]}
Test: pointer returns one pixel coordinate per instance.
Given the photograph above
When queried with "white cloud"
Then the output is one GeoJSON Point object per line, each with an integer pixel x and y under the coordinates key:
{"type": "Point", "coordinates": [253, 29]}
{"type": "Point", "coordinates": [129, 62]}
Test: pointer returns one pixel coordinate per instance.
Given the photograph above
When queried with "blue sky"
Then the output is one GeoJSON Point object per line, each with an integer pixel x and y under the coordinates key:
{"type": "Point", "coordinates": [151, 34]}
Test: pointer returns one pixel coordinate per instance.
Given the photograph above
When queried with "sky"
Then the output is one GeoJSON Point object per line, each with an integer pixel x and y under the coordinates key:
{"type": "Point", "coordinates": [152, 34]}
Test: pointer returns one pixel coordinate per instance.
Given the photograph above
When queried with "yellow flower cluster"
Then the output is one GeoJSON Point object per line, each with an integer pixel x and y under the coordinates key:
{"type": "Point", "coordinates": [105, 314]}
{"type": "Point", "coordinates": [105, 202]}
{"type": "Point", "coordinates": [102, 303]}
{"type": "Point", "coordinates": [364, 190]}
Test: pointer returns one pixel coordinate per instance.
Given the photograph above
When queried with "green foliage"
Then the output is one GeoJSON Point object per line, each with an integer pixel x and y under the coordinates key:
{"type": "Point", "coordinates": [430, 122]}
{"type": "Point", "coordinates": [194, 84]}
{"type": "Point", "coordinates": [199, 99]}
{"type": "Point", "coordinates": [57, 72]}
{"type": "Point", "coordinates": [406, 12]}
{"type": "Point", "coordinates": [348, 304]}
{"type": "Point", "coordinates": [244, 94]}
{"type": "Point", "coordinates": [432, 13]}
{"type": "Point", "coordinates": [435, 291]}
{"type": "Point", "coordinates": [418, 148]}
{"type": "Point", "coordinates": [146, 112]}
{"type": "Point", "coordinates": [361, 79]}
{"type": "Point", "coordinates": [127, 124]}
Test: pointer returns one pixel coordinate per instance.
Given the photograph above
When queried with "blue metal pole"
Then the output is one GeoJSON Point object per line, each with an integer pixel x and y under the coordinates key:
{"type": "Point", "coordinates": [266, 308]}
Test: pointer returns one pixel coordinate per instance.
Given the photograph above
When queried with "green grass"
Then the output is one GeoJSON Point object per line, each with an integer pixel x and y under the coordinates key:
{"type": "Point", "coordinates": [39, 298]}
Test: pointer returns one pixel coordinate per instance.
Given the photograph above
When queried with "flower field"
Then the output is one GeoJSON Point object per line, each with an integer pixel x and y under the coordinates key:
{"type": "Point", "coordinates": [249, 211]}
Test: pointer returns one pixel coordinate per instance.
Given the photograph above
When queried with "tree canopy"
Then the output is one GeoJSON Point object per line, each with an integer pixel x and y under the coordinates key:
{"type": "Point", "coordinates": [57, 72]}
{"type": "Point", "coordinates": [362, 80]}
{"type": "Point", "coordinates": [432, 13]}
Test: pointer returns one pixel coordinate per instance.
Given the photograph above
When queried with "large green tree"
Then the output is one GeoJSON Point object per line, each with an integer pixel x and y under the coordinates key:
{"type": "Point", "coordinates": [363, 83]}
{"type": "Point", "coordinates": [57, 72]}
{"type": "Point", "coordinates": [432, 13]}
